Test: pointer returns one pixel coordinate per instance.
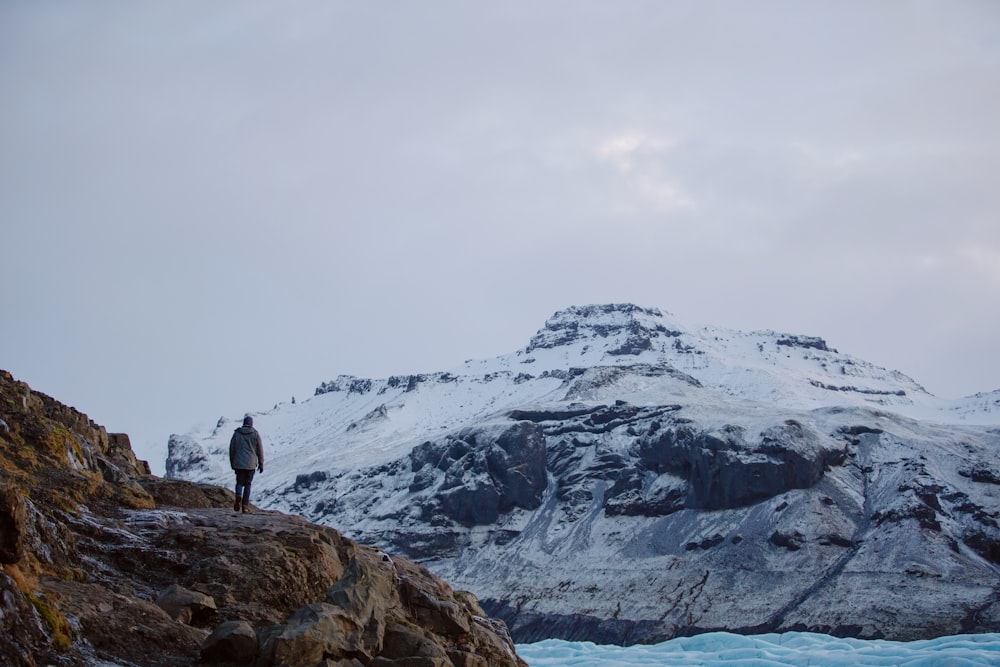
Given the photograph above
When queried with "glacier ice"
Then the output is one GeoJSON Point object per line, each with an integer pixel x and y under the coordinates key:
{"type": "Point", "coordinates": [723, 649]}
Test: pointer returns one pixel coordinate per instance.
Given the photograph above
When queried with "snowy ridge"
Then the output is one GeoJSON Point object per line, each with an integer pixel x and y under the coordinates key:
{"type": "Point", "coordinates": [729, 461]}
{"type": "Point", "coordinates": [355, 421]}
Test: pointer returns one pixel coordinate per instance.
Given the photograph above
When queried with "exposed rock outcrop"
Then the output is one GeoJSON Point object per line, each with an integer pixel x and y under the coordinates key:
{"type": "Point", "coordinates": [481, 473]}
{"type": "Point", "coordinates": [104, 563]}
{"type": "Point", "coordinates": [601, 321]}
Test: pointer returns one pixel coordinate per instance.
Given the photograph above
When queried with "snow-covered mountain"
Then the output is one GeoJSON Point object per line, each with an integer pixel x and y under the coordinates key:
{"type": "Point", "coordinates": [625, 478]}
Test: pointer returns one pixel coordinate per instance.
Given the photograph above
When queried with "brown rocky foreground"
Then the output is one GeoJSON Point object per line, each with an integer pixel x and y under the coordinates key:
{"type": "Point", "coordinates": [102, 563]}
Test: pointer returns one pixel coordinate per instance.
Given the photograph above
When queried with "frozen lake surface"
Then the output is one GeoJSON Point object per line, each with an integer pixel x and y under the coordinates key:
{"type": "Point", "coordinates": [796, 649]}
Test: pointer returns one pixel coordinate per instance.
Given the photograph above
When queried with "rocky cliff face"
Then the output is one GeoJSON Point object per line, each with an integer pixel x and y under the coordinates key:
{"type": "Point", "coordinates": [101, 563]}
{"type": "Point", "coordinates": [626, 479]}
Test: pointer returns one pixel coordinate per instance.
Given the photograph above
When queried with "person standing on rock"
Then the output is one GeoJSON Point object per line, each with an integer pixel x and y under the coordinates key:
{"type": "Point", "coordinates": [246, 453]}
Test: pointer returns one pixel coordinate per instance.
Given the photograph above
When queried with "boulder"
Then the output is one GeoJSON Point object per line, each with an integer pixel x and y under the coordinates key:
{"type": "Point", "coordinates": [792, 540]}
{"type": "Point", "coordinates": [184, 606]}
{"type": "Point", "coordinates": [446, 617]}
{"type": "Point", "coordinates": [175, 493]}
{"type": "Point", "coordinates": [403, 642]}
{"type": "Point", "coordinates": [233, 641]}
{"type": "Point", "coordinates": [314, 632]}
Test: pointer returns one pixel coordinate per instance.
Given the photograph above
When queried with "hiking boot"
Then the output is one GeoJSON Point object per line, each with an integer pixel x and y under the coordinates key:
{"type": "Point", "coordinates": [237, 505]}
{"type": "Point", "coordinates": [246, 510]}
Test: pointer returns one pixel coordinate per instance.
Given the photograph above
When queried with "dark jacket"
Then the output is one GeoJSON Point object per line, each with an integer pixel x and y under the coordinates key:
{"type": "Point", "coordinates": [246, 451]}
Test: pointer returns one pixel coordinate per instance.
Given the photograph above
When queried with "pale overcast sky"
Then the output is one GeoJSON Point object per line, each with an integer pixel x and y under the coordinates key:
{"type": "Point", "coordinates": [208, 208]}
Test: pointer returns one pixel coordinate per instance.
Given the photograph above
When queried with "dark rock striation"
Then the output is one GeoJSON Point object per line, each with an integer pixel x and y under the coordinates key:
{"type": "Point", "coordinates": [104, 564]}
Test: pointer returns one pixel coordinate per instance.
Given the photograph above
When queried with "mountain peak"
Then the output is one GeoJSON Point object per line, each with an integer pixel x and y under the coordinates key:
{"type": "Point", "coordinates": [625, 328]}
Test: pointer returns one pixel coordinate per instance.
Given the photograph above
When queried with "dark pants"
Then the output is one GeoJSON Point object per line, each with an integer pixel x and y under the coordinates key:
{"type": "Point", "coordinates": [243, 480]}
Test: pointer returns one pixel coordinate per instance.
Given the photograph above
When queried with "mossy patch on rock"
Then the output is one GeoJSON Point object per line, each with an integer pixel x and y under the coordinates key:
{"type": "Point", "coordinates": [59, 629]}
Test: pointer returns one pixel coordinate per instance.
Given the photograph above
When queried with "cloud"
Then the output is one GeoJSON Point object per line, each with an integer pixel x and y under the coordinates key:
{"type": "Point", "coordinates": [984, 260]}
{"type": "Point", "coordinates": [394, 190]}
{"type": "Point", "coordinates": [641, 162]}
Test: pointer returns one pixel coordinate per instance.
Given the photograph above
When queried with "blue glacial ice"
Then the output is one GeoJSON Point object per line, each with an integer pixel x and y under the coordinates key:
{"type": "Point", "coordinates": [718, 649]}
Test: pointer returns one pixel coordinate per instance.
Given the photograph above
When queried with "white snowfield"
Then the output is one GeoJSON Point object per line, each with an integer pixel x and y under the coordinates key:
{"type": "Point", "coordinates": [368, 422]}
{"type": "Point", "coordinates": [794, 649]}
